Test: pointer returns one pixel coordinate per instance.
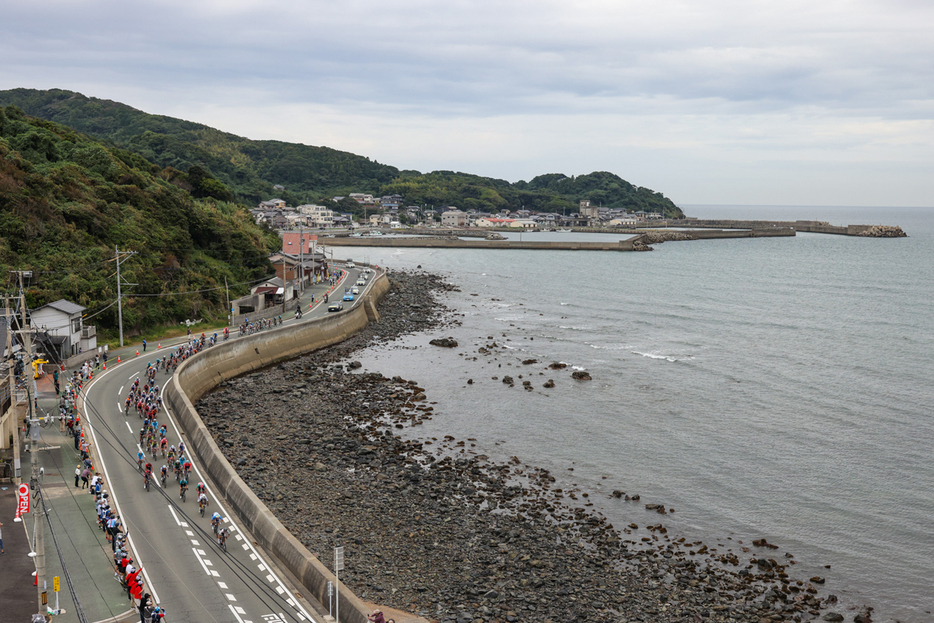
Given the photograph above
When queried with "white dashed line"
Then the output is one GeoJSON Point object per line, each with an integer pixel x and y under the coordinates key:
{"type": "Point", "coordinates": [201, 561]}
{"type": "Point", "coordinates": [236, 614]}
{"type": "Point", "coordinates": [239, 609]}
{"type": "Point", "coordinates": [252, 556]}
{"type": "Point", "coordinates": [280, 590]}
{"type": "Point", "coordinates": [190, 533]}
{"type": "Point", "coordinates": [120, 393]}
{"type": "Point", "coordinates": [201, 552]}
{"type": "Point", "coordinates": [215, 573]}
{"type": "Point", "coordinates": [172, 510]}
{"type": "Point", "coordinates": [231, 597]}
{"type": "Point", "coordinates": [270, 578]}
{"type": "Point", "coordinates": [208, 562]}
{"type": "Point", "coordinates": [246, 546]}
{"type": "Point", "coordinates": [261, 567]}
{"type": "Point", "coordinates": [128, 426]}
{"type": "Point", "coordinates": [223, 586]}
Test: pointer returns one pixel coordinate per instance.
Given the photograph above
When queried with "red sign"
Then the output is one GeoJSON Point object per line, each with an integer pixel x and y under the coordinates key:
{"type": "Point", "coordinates": [23, 505]}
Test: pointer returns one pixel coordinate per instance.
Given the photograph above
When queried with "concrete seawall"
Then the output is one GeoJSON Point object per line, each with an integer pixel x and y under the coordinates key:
{"type": "Point", "coordinates": [201, 373]}
{"type": "Point", "coordinates": [629, 244]}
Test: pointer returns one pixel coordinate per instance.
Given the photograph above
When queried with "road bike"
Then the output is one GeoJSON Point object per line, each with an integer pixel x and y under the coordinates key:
{"type": "Point", "coordinates": [182, 493]}
{"type": "Point", "coordinates": [202, 505]}
{"type": "Point", "coordinates": [146, 479]}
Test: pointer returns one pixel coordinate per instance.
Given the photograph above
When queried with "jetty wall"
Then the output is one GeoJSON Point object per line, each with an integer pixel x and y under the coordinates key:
{"type": "Point", "coordinates": [204, 371]}
{"type": "Point", "coordinates": [628, 244]}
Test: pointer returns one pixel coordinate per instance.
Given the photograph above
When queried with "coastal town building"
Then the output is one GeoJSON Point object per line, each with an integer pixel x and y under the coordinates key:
{"type": "Point", "coordinates": [453, 218]}
{"type": "Point", "coordinates": [62, 329]}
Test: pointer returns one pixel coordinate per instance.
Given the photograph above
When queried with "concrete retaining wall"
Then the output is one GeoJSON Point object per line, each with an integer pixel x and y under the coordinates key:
{"type": "Point", "coordinates": [198, 375]}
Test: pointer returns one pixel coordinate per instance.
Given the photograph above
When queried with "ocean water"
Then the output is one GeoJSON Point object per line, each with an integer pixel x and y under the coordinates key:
{"type": "Point", "coordinates": [779, 388]}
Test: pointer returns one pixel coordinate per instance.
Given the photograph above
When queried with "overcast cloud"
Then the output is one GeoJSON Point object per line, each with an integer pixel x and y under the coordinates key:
{"type": "Point", "coordinates": [713, 101]}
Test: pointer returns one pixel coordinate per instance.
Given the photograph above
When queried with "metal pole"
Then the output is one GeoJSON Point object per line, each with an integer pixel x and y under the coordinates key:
{"type": "Point", "coordinates": [37, 525]}
{"type": "Point", "coordinates": [119, 296]}
{"type": "Point", "coordinates": [229, 310]}
{"type": "Point", "coordinates": [301, 259]}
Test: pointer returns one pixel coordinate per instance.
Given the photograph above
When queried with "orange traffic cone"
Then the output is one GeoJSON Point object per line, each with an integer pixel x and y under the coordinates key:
{"type": "Point", "coordinates": [118, 358]}
{"type": "Point", "coordinates": [159, 346]}
{"type": "Point", "coordinates": [137, 352]}
{"type": "Point", "coordinates": [105, 365]}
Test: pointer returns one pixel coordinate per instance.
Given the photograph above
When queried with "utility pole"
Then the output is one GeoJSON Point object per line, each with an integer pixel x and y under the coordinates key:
{"type": "Point", "coordinates": [119, 293]}
{"type": "Point", "coordinates": [229, 310]}
{"type": "Point", "coordinates": [26, 336]}
{"type": "Point", "coordinates": [301, 259]}
{"type": "Point", "coordinates": [13, 401]}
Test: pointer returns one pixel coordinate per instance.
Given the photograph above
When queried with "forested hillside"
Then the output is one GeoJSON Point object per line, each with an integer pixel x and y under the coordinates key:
{"type": "Point", "coordinates": [250, 169]}
{"type": "Point", "coordinates": [67, 200]}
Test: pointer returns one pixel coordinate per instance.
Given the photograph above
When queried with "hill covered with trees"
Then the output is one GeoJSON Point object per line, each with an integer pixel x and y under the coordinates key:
{"type": "Point", "coordinates": [66, 201]}
{"type": "Point", "coordinates": [250, 170]}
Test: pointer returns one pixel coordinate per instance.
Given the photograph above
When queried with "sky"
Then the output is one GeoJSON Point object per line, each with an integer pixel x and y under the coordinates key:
{"type": "Point", "coordinates": [709, 102]}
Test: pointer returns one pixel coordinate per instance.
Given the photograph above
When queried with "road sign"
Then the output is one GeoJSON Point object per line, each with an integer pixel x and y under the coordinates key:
{"type": "Point", "coordinates": [56, 584]}
{"type": "Point", "coordinates": [339, 558]}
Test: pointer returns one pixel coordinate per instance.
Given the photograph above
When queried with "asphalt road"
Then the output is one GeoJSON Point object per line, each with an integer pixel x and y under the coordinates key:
{"type": "Point", "coordinates": [184, 569]}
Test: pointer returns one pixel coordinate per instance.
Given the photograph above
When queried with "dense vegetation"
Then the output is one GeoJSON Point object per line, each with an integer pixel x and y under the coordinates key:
{"type": "Point", "coordinates": [249, 170]}
{"type": "Point", "coordinates": [67, 200]}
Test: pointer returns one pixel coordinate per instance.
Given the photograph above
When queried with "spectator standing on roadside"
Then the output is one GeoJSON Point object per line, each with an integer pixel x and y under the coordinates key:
{"type": "Point", "coordinates": [77, 474]}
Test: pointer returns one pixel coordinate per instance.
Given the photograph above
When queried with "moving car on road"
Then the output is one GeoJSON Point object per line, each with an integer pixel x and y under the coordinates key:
{"type": "Point", "coordinates": [348, 295]}
{"type": "Point", "coordinates": [335, 307]}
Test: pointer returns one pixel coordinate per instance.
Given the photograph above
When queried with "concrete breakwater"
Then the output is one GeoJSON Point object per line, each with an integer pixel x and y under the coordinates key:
{"type": "Point", "coordinates": [208, 369]}
{"type": "Point", "coordinates": [632, 243]}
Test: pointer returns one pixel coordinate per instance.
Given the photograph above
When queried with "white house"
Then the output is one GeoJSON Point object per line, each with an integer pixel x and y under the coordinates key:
{"type": "Point", "coordinates": [61, 321]}
{"type": "Point", "coordinates": [453, 218]}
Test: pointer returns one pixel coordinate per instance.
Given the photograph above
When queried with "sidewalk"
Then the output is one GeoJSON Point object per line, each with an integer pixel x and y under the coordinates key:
{"type": "Point", "coordinates": [75, 537]}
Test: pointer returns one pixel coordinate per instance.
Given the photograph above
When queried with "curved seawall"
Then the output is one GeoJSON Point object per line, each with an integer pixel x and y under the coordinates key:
{"type": "Point", "coordinates": [201, 373]}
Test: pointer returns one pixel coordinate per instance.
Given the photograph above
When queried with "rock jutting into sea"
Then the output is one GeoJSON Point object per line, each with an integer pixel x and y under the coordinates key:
{"type": "Point", "coordinates": [883, 231]}
{"type": "Point", "coordinates": [435, 527]}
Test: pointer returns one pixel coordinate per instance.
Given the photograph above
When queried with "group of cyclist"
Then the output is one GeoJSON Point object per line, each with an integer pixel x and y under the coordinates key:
{"type": "Point", "coordinates": [248, 328]}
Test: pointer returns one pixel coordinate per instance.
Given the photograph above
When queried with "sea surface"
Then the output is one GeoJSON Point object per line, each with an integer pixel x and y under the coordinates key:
{"type": "Point", "coordinates": [779, 387]}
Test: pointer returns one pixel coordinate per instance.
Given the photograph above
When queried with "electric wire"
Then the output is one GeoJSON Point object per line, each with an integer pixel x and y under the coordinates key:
{"type": "Point", "coordinates": [260, 589]}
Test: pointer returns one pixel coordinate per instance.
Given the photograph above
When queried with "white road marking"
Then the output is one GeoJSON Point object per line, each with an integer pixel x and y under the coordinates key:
{"type": "Point", "coordinates": [270, 578]}
{"type": "Point", "coordinates": [223, 586]}
{"type": "Point", "coordinates": [174, 516]}
{"type": "Point", "coordinates": [254, 554]}
{"type": "Point", "coordinates": [236, 614]}
{"type": "Point", "coordinates": [261, 567]}
{"type": "Point", "coordinates": [215, 573]}
{"type": "Point", "coordinates": [203, 566]}
{"type": "Point", "coordinates": [231, 597]}
{"type": "Point", "coordinates": [238, 608]}
{"type": "Point", "coordinates": [201, 552]}
{"type": "Point", "coordinates": [128, 427]}
{"type": "Point", "coordinates": [208, 562]}
{"type": "Point", "coordinates": [120, 408]}
{"type": "Point", "coordinates": [120, 393]}
{"type": "Point", "coordinates": [190, 533]}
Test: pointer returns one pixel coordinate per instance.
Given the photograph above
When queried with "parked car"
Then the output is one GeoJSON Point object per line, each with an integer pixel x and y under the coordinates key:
{"type": "Point", "coordinates": [335, 307]}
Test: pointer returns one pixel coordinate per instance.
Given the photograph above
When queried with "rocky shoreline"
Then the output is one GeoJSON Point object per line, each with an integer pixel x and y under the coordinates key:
{"type": "Point", "coordinates": [431, 527]}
